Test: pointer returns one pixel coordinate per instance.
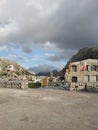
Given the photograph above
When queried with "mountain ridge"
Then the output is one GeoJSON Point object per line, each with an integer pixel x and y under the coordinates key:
{"type": "Point", "coordinates": [55, 73]}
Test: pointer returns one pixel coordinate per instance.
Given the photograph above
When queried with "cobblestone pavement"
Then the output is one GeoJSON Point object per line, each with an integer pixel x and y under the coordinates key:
{"type": "Point", "coordinates": [47, 109]}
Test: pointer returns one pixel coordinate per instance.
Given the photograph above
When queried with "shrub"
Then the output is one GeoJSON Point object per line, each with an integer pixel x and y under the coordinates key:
{"type": "Point", "coordinates": [34, 85]}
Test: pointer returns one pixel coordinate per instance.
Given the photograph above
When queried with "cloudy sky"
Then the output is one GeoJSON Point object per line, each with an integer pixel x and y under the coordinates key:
{"type": "Point", "coordinates": [44, 34]}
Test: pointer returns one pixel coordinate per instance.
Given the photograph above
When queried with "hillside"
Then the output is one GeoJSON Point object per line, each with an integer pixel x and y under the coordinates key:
{"type": "Point", "coordinates": [82, 54]}
{"type": "Point", "coordinates": [18, 69]}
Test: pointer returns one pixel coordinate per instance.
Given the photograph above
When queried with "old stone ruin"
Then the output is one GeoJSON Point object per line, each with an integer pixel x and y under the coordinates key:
{"type": "Point", "coordinates": [18, 84]}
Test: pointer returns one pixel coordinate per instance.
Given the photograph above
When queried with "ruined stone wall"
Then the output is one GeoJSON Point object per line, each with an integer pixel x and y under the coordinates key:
{"type": "Point", "coordinates": [19, 84]}
{"type": "Point", "coordinates": [89, 86]}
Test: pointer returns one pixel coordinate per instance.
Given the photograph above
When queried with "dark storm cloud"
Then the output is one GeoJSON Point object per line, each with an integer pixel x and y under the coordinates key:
{"type": "Point", "coordinates": [56, 58]}
{"type": "Point", "coordinates": [75, 24]}
{"type": "Point", "coordinates": [69, 24]}
{"type": "Point", "coordinates": [27, 49]}
{"type": "Point", "coordinates": [64, 55]}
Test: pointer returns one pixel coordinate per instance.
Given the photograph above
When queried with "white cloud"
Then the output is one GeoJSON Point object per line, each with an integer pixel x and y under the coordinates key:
{"type": "Point", "coordinates": [42, 68]}
{"type": "Point", "coordinates": [12, 56]}
{"type": "Point", "coordinates": [37, 57]}
{"type": "Point", "coordinates": [49, 54]}
{"type": "Point", "coordinates": [3, 48]}
{"type": "Point", "coordinates": [17, 57]}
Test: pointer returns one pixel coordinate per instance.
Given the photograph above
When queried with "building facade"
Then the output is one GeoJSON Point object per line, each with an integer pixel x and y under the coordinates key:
{"type": "Point", "coordinates": [82, 71]}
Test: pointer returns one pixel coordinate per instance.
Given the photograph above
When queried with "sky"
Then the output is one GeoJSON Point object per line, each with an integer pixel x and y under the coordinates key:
{"type": "Point", "coordinates": [45, 34]}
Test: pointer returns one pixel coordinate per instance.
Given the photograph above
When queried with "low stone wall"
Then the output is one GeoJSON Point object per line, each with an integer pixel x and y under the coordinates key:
{"type": "Point", "coordinates": [89, 86]}
{"type": "Point", "coordinates": [19, 84]}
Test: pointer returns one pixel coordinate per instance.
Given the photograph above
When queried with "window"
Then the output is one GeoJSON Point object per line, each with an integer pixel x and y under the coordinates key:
{"type": "Point", "coordinates": [97, 78]}
{"type": "Point", "coordinates": [74, 68]}
{"type": "Point", "coordinates": [86, 78]}
{"type": "Point", "coordinates": [97, 68]}
{"type": "Point", "coordinates": [88, 68]}
{"type": "Point", "coordinates": [74, 79]}
{"type": "Point", "coordinates": [93, 78]}
{"type": "Point", "coordinates": [93, 67]}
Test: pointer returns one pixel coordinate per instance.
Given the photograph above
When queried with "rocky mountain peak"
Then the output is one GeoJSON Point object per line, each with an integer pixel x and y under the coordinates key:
{"type": "Point", "coordinates": [82, 54]}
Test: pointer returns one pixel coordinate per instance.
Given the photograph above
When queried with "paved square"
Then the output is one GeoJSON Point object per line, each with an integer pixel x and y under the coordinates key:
{"type": "Point", "coordinates": [46, 109]}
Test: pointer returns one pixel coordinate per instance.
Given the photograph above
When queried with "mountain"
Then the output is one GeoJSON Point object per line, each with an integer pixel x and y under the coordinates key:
{"type": "Point", "coordinates": [82, 54]}
{"type": "Point", "coordinates": [55, 73]}
{"type": "Point", "coordinates": [18, 69]}
{"type": "Point", "coordinates": [85, 53]}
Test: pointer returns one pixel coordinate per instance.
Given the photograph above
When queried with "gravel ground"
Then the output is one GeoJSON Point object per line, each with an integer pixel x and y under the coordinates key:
{"type": "Point", "coordinates": [47, 109]}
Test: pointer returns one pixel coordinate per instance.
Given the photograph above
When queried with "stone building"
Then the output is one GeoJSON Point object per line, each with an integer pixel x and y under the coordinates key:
{"type": "Point", "coordinates": [44, 81]}
{"type": "Point", "coordinates": [80, 72]}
